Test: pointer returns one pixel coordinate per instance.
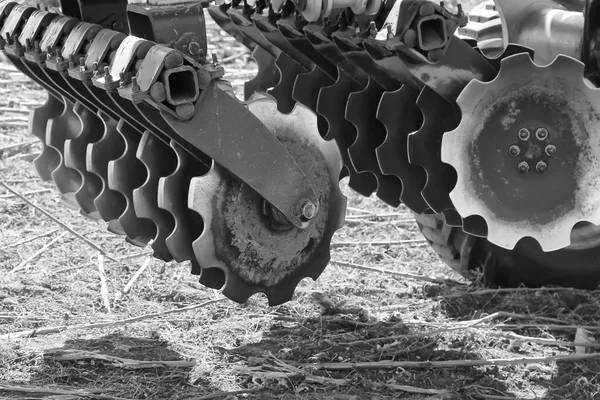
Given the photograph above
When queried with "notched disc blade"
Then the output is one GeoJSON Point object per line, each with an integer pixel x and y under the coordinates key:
{"type": "Point", "coordinates": [400, 116]}
{"type": "Point", "coordinates": [125, 174]}
{"type": "Point", "coordinates": [68, 181]}
{"type": "Point", "coordinates": [331, 105]}
{"type": "Point", "coordinates": [49, 159]}
{"type": "Point", "coordinates": [425, 147]}
{"type": "Point", "coordinates": [109, 203]}
{"type": "Point", "coordinates": [525, 154]}
{"type": "Point", "coordinates": [257, 253]}
{"type": "Point", "coordinates": [75, 158]}
{"type": "Point", "coordinates": [160, 161]}
{"type": "Point", "coordinates": [267, 75]}
{"type": "Point", "coordinates": [306, 92]}
{"type": "Point", "coordinates": [361, 111]}
{"type": "Point", "coordinates": [172, 197]}
{"type": "Point", "coordinates": [282, 92]}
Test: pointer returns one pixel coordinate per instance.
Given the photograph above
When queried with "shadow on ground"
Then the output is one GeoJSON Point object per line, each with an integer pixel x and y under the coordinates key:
{"type": "Point", "coordinates": [350, 335]}
{"type": "Point", "coordinates": [536, 314]}
{"type": "Point", "coordinates": [95, 364]}
{"type": "Point", "coordinates": [338, 331]}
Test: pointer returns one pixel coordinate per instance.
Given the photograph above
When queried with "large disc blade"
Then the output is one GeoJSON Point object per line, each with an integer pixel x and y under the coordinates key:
{"type": "Point", "coordinates": [49, 159]}
{"type": "Point", "coordinates": [159, 161]}
{"type": "Point", "coordinates": [109, 203]}
{"type": "Point", "coordinates": [247, 239]}
{"type": "Point", "coordinates": [75, 158]}
{"type": "Point", "coordinates": [332, 107]}
{"type": "Point", "coordinates": [400, 116]}
{"type": "Point", "coordinates": [68, 181]}
{"type": "Point", "coordinates": [525, 154]}
{"type": "Point", "coordinates": [125, 174]}
{"type": "Point", "coordinates": [361, 111]}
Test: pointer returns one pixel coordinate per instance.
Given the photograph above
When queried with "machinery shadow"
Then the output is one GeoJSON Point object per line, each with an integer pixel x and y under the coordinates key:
{"type": "Point", "coordinates": [112, 365]}
{"type": "Point", "coordinates": [350, 335]}
{"type": "Point", "coordinates": [535, 314]}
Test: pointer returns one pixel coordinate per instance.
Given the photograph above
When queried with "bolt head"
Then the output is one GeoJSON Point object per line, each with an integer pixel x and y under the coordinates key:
{"type": "Point", "coordinates": [524, 134]}
{"type": "Point", "coordinates": [551, 150]}
{"type": "Point", "coordinates": [541, 167]}
{"type": "Point", "coordinates": [194, 48]}
{"type": "Point", "coordinates": [523, 166]}
{"type": "Point", "coordinates": [541, 133]}
{"type": "Point", "coordinates": [514, 150]}
{"type": "Point", "coordinates": [309, 210]}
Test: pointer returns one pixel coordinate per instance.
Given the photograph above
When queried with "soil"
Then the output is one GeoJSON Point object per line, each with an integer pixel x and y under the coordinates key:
{"type": "Point", "coordinates": [385, 299]}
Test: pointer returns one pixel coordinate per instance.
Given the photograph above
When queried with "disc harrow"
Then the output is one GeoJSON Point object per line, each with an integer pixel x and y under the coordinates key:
{"type": "Point", "coordinates": [141, 130]}
{"type": "Point", "coordinates": [113, 147]}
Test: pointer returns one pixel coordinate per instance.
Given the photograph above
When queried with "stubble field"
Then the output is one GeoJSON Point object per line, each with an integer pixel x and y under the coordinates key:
{"type": "Point", "coordinates": [83, 315]}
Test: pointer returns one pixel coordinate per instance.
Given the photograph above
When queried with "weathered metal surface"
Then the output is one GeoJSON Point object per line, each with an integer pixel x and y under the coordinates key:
{"type": "Point", "coordinates": [110, 14]}
{"type": "Point", "coordinates": [179, 25]}
{"type": "Point", "coordinates": [535, 192]}
{"type": "Point", "coordinates": [223, 139]}
{"type": "Point", "coordinates": [272, 262]}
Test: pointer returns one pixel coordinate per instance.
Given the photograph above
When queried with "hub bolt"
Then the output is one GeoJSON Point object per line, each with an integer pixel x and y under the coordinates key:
{"type": "Point", "coordinates": [541, 167]}
{"type": "Point", "coordinates": [523, 166]}
{"type": "Point", "coordinates": [514, 150]}
{"type": "Point", "coordinates": [551, 150]}
{"type": "Point", "coordinates": [309, 210]}
{"type": "Point", "coordinates": [541, 134]}
{"type": "Point", "coordinates": [524, 134]}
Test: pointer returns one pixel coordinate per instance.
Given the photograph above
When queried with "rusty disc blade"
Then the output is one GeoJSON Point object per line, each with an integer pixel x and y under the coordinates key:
{"type": "Point", "coordinates": [247, 240]}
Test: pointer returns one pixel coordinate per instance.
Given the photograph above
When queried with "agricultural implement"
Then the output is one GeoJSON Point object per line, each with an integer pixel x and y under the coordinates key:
{"type": "Point", "coordinates": [484, 125]}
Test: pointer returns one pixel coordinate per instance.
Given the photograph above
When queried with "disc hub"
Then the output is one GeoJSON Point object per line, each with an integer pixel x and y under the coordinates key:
{"type": "Point", "coordinates": [526, 153]}
{"type": "Point", "coordinates": [533, 151]}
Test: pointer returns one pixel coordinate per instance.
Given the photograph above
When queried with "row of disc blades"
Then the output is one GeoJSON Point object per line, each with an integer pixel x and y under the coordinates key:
{"type": "Point", "coordinates": [388, 128]}
{"type": "Point", "coordinates": [108, 161]}
{"type": "Point", "coordinates": [389, 135]}
{"type": "Point", "coordinates": [158, 194]}
{"type": "Point", "coordinates": [132, 180]}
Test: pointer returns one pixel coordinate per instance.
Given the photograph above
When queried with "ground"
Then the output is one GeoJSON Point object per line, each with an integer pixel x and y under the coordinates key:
{"type": "Point", "coordinates": [385, 320]}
